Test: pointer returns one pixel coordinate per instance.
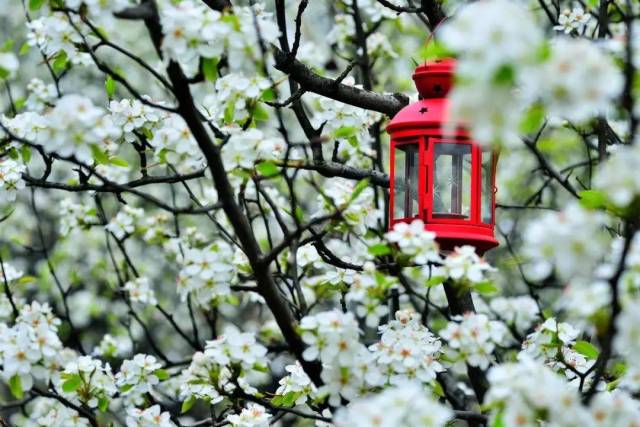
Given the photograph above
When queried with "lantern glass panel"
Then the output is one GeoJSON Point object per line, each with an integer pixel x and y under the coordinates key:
{"type": "Point", "coordinates": [487, 186]}
{"type": "Point", "coordinates": [452, 181]}
{"type": "Point", "coordinates": [406, 181]}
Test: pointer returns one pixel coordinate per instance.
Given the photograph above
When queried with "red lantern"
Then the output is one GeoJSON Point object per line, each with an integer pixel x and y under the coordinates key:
{"type": "Point", "coordinates": [438, 175]}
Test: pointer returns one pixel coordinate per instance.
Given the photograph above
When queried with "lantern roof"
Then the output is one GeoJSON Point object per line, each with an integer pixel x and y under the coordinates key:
{"type": "Point", "coordinates": [433, 80]}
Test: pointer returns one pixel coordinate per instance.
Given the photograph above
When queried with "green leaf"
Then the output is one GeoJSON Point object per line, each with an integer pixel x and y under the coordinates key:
{"type": "Point", "coordinates": [505, 75]}
{"type": "Point", "coordinates": [72, 384]}
{"type": "Point", "coordinates": [267, 169]}
{"type": "Point", "coordinates": [210, 68]}
{"type": "Point", "coordinates": [103, 404]}
{"type": "Point", "coordinates": [259, 114]}
{"type": "Point", "coordinates": [435, 280]}
{"type": "Point", "coordinates": [532, 119]}
{"type": "Point", "coordinates": [299, 213]}
{"type": "Point", "coordinates": [36, 4]}
{"type": "Point", "coordinates": [25, 152]}
{"type": "Point", "coordinates": [110, 86]}
{"type": "Point", "coordinates": [7, 46]}
{"type": "Point", "coordinates": [438, 390]}
{"type": "Point", "coordinates": [162, 374]}
{"type": "Point", "coordinates": [24, 49]}
{"type": "Point", "coordinates": [345, 132]}
{"type": "Point", "coordinates": [379, 249]}
{"type": "Point", "coordinates": [117, 161]}
{"type": "Point", "coordinates": [289, 399]}
{"type": "Point", "coordinates": [277, 400]}
{"type": "Point", "coordinates": [268, 95]}
{"type": "Point", "coordinates": [4, 73]}
{"type": "Point", "coordinates": [15, 385]}
{"type": "Point", "coordinates": [25, 280]}
{"type": "Point", "coordinates": [60, 62]}
{"type": "Point", "coordinates": [485, 288]}
{"type": "Point", "coordinates": [147, 133]}
{"type": "Point", "coordinates": [98, 155]}
{"type": "Point", "coordinates": [593, 199]}
{"type": "Point", "coordinates": [125, 388]}
{"type": "Point", "coordinates": [359, 188]}
{"type": "Point", "coordinates": [498, 421]}
{"type": "Point", "coordinates": [586, 349]}
{"type": "Point", "coordinates": [187, 404]}
{"type": "Point", "coordinates": [229, 112]}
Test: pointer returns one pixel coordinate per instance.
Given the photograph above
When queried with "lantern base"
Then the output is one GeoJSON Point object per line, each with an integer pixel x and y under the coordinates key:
{"type": "Point", "coordinates": [449, 236]}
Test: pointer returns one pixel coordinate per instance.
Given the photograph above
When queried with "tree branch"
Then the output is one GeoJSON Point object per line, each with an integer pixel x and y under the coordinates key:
{"type": "Point", "coordinates": [311, 82]}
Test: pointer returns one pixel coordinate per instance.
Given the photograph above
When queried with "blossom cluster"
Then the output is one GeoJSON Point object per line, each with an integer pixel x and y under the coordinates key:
{"type": "Point", "coordinates": [225, 361]}
{"type": "Point", "coordinates": [30, 350]}
{"type": "Point", "coordinates": [192, 30]}
{"type": "Point", "coordinates": [402, 405]}
{"type": "Point", "coordinates": [473, 338]}
{"type": "Point", "coordinates": [527, 393]}
{"type": "Point", "coordinates": [565, 242]}
{"type": "Point", "coordinates": [407, 350]}
{"type": "Point", "coordinates": [498, 85]}
{"type": "Point", "coordinates": [207, 273]}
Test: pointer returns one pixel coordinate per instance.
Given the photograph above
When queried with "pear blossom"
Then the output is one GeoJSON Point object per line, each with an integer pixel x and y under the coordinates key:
{"type": "Point", "coordinates": [473, 338]}
{"type": "Point", "coordinates": [40, 95]}
{"type": "Point", "coordinates": [571, 242]}
{"type": "Point", "coordinates": [140, 291]}
{"type": "Point", "coordinates": [253, 415]}
{"type": "Point", "coordinates": [404, 405]}
{"type": "Point", "coordinates": [124, 223]}
{"type": "Point", "coordinates": [11, 181]}
{"type": "Point", "coordinates": [97, 380]}
{"type": "Point", "coordinates": [244, 148]}
{"type": "Point", "coordinates": [359, 213]}
{"type": "Point", "coordinates": [464, 264]}
{"type": "Point", "coordinates": [29, 346]}
{"type": "Point", "coordinates": [527, 389]}
{"type": "Point", "coordinates": [576, 92]}
{"type": "Point", "coordinates": [617, 177]}
{"type": "Point", "coordinates": [8, 273]}
{"type": "Point", "coordinates": [149, 417]}
{"type": "Point", "coordinates": [415, 241]}
{"type": "Point", "coordinates": [174, 143]}
{"type": "Point", "coordinates": [138, 375]}
{"type": "Point", "coordinates": [572, 20]}
{"type": "Point", "coordinates": [296, 383]}
{"type": "Point", "coordinates": [207, 273]}
{"type": "Point", "coordinates": [236, 347]}
{"type": "Point", "coordinates": [75, 216]}
{"type": "Point", "coordinates": [132, 115]}
{"type": "Point", "coordinates": [521, 311]}
{"type": "Point", "coordinates": [69, 129]}
{"type": "Point", "coordinates": [54, 35]}
{"type": "Point", "coordinates": [407, 350]}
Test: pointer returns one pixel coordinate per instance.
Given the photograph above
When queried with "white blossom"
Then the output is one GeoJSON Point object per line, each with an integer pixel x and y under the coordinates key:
{"type": "Point", "coordinates": [405, 405]}
{"type": "Point", "coordinates": [253, 415]}
{"type": "Point", "coordinates": [473, 338]}
{"type": "Point", "coordinates": [140, 291]}
{"type": "Point", "coordinates": [149, 417]}
{"type": "Point", "coordinates": [571, 242]}
{"type": "Point", "coordinates": [572, 19]}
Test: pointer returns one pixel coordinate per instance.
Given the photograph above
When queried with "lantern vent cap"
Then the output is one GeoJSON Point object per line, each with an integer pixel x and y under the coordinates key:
{"type": "Point", "coordinates": [434, 79]}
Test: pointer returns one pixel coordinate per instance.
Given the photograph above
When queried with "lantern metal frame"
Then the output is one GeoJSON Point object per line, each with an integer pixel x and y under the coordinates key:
{"type": "Point", "coordinates": [425, 124]}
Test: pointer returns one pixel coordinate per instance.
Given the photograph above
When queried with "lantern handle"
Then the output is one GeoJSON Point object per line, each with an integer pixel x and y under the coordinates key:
{"type": "Point", "coordinates": [433, 32]}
